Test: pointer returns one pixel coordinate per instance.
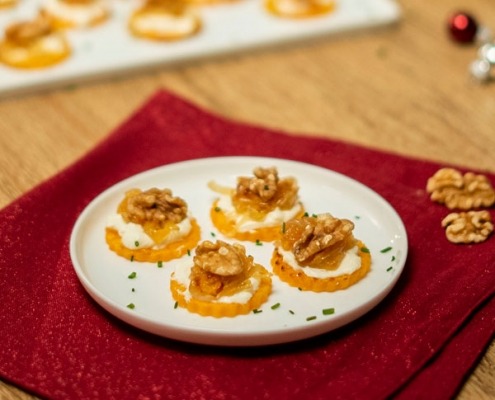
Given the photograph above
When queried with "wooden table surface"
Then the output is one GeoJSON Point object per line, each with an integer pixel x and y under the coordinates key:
{"type": "Point", "coordinates": [403, 88]}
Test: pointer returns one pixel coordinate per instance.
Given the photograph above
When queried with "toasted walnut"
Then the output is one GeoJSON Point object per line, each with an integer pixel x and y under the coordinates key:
{"type": "Point", "coordinates": [468, 227]}
{"type": "Point", "coordinates": [25, 32]}
{"type": "Point", "coordinates": [316, 237]}
{"type": "Point", "coordinates": [221, 258]}
{"type": "Point", "coordinates": [263, 184]}
{"type": "Point", "coordinates": [469, 191]}
{"type": "Point", "coordinates": [154, 205]}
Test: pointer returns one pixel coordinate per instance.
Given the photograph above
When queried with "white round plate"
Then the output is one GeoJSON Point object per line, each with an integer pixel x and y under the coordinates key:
{"type": "Point", "coordinates": [289, 314]}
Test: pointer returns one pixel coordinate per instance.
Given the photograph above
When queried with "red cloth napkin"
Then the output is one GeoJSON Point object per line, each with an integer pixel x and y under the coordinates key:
{"type": "Point", "coordinates": [420, 342]}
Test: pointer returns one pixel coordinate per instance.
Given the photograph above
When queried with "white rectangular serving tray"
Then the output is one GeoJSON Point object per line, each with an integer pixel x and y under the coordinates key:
{"type": "Point", "coordinates": [110, 50]}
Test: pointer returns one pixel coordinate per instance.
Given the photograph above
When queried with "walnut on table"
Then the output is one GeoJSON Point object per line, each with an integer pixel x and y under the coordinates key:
{"type": "Point", "coordinates": [468, 227]}
{"type": "Point", "coordinates": [457, 191]}
{"type": "Point", "coordinates": [154, 205]}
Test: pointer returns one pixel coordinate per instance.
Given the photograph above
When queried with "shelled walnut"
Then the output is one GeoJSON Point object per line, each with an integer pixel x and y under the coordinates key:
{"type": "Point", "coordinates": [221, 258]}
{"type": "Point", "coordinates": [465, 192]}
{"type": "Point", "coordinates": [319, 234]}
{"type": "Point", "coordinates": [154, 205]}
{"type": "Point", "coordinates": [468, 227]}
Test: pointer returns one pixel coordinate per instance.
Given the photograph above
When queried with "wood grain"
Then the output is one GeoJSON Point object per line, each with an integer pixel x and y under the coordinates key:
{"type": "Point", "coordinates": [403, 88]}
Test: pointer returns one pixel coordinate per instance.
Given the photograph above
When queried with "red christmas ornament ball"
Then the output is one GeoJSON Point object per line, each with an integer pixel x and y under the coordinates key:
{"type": "Point", "coordinates": [462, 27]}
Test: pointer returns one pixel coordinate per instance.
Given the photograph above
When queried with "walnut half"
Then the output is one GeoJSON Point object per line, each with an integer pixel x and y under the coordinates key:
{"type": "Point", "coordinates": [468, 227]}
{"type": "Point", "coordinates": [153, 205]}
{"type": "Point", "coordinates": [465, 192]}
{"type": "Point", "coordinates": [221, 258]}
{"type": "Point", "coordinates": [319, 234]}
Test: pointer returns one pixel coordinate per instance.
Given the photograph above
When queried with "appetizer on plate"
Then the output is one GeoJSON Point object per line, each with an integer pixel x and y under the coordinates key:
{"type": "Point", "coordinates": [7, 3]}
{"type": "Point", "coordinates": [164, 20]}
{"type": "Point", "coordinates": [256, 209]}
{"type": "Point", "coordinates": [319, 253]}
{"type": "Point", "coordinates": [222, 281]}
{"type": "Point", "coordinates": [299, 8]}
{"type": "Point", "coordinates": [33, 44]}
{"type": "Point", "coordinates": [76, 13]}
{"type": "Point", "coordinates": [152, 226]}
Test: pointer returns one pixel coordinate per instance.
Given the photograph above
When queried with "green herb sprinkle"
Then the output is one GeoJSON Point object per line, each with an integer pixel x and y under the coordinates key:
{"type": "Point", "coordinates": [132, 275]}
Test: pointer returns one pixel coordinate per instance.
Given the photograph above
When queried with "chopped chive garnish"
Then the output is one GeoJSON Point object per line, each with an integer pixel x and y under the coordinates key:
{"type": "Point", "coordinates": [292, 312]}
{"type": "Point", "coordinates": [132, 257]}
{"type": "Point", "coordinates": [176, 304]}
{"type": "Point", "coordinates": [300, 289]}
{"type": "Point", "coordinates": [393, 258]}
{"type": "Point", "coordinates": [266, 187]}
{"type": "Point", "coordinates": [365, 250]}
{"type": "Point", "coordinates": [357, 217]}
{"type": "Point", "coordinates": [283, 227]}
{"type": "Point", "coordinates": [275, 306]}
{"type": "Point", "coordinates": [314, 215]}
{"type": "Point", "coordinates": [131, 306]}
{"type": "Point", "coordinates": [311, 318]}
{"type": "Point", "coordinates": [328, 311]}
{"type": "Point", "coordinates": [212, 234]}
{"type": "Point", "coordinates": [160, 264]}
{"type": "Point", "coordinates": [258, 243]}
{"type": "Point", "coordinates": [188, 252]}
{"type": "Point", "coordinates": [133, 290]}
{"type": "Point", "coordinates": [389, 269]}
{"type": "Point", "coordinates": [217, 209]}
{"type": "Point", "coordinates": [386, 249]}
{"type": "Point", "coordinates": [132, 275]}
{"type": "Point", "coordinates": [136, 243]}
{"type": "Point", "coordinates": [306, 214]}
{"type": "Point", "coordinates": [256, 311]}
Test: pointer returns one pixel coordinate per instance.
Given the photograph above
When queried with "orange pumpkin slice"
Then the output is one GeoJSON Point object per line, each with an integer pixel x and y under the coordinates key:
{"type": "Point", "coordinates": [68, 14]}
{"type": "Point", "coordinates": [213, 290]}
{"type": "Point", "coordinates": [152, 225]}
{"type": "Point", "coordinates": [33, 44]}
{"type": "Point", "coordinates": [165, 20]}
{"type": "Point", "coordinates": [171, 251]}
{"type": "Point", "coordinates": [298, 278]}
{"type": "Point", "coordinates": [257, 207]}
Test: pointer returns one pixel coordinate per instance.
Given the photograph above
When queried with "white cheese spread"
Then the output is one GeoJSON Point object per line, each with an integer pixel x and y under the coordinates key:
{"type": "Point", "coordinates": [244, 224]}
{"type": "Point", "coordinates": [350, 263]}
{"type": "Point", "coordinates": [181, 276]}
{"type": "Point", "coordinates": [133, 235]}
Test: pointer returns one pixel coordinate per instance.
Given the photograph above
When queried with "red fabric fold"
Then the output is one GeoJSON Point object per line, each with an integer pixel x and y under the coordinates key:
{"type": "Point", "coordinates": [420, 342]}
